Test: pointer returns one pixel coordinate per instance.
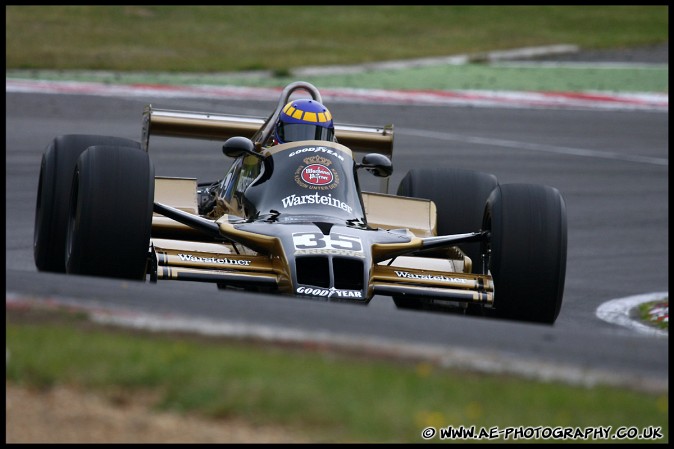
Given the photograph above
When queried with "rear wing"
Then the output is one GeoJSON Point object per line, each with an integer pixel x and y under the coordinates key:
{"type": "Point", "coordinates": [211, 126]}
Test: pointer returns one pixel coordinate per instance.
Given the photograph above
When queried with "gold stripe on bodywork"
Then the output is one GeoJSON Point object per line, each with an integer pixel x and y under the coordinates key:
{"type": "Point", "coordinates": [464, 281]}
{"type": "Point", "coordinates": [251, 280]}
{"type": "Point", "coordinates": [396, 212]}
{"type": "Point", "coordinates": [264, 244]}
{"type": "Point", "coordinates": [383, 251]}
{"type": "Point", "coordinates": [214, 261]}
{"type": "Point", "coordinates": [434, 293]}
{"type": "Point", "coordinates": [168, 245]}
{"type": "Point", "coordinates": [261, 243]}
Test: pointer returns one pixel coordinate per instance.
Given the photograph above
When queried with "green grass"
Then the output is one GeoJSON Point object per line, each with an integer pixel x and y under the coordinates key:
{"type": "Point", "coordinates": [475, 76]}
{"type": "Point", "coordinates": [329, 397]}
{"type": "Point", "coordinates": [279, 38]}
{"type": "Point", "coordinates": [654, 312]}
{"type": "Point", "coordinates": [469, 76]}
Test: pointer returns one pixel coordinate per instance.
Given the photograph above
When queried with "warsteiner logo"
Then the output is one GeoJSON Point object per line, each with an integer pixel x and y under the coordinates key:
{"type": "Point", "coordinates": [316, 174]}
{"type": "Point", "coordinates": [299, 200]}
{"type": "Point", "coordinates": [221, 261]}
{"type": "Point", "coordinates": [429, 277]}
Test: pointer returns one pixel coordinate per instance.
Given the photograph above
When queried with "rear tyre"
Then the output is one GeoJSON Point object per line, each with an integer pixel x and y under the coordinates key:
{"type": "Point", "coordinates": [110, 216]}
{"type": "Point", "coordinates": [53, 194]}
{"type": "Point", "coordinates": [460, 197]}
{"type": "Point", "coordinates": [527, 251]}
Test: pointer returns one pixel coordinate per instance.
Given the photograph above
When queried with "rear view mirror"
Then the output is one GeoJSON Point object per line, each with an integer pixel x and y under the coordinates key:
{"type": "Point", "coordinates": [377, 164]}
{"type": "Point", "coordinates": [238, 146]}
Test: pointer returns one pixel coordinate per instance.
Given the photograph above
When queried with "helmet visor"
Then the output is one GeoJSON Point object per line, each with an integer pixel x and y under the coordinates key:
{"type": "Point", "coordinates": [293, 132]}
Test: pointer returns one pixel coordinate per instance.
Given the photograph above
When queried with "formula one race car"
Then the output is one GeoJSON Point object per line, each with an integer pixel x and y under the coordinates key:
{"type": "Point", "coordinates": [292, 219]}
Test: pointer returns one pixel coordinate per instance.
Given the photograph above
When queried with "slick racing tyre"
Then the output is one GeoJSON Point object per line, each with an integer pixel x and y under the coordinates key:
{"type": "Point", "coordinates": [527, 251]}
{"type": "Point", "coordinates": [53, 194]}
{"type": "Point", "coordinates": [460, 197]}
{"type": "Point", "coordinates": [110, 213]}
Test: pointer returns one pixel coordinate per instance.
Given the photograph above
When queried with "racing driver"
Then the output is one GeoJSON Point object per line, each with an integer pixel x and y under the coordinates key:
{"type": "Point", "coordinates": [304, 120]}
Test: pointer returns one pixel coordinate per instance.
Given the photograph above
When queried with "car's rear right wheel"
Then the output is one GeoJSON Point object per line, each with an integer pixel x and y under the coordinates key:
{"type": "Point", "coordinates": [460, 197]}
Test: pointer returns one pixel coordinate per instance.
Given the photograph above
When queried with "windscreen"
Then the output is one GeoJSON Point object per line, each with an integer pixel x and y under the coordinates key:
{"type": "Point", "coordinates": [310, 178]}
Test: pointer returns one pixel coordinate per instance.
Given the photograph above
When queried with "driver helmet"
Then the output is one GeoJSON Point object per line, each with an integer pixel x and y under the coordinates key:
{"type": "Point", "coordinates": [304, 120]}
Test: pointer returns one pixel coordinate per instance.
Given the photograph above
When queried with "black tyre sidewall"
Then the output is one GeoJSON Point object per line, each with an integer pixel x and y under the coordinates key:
{"type": "Point", "coordinates": [528, 244]}
{"type": "Point", "coordinates": [51, 208]}
{"type": "Point", "coordinates": [111, 213]}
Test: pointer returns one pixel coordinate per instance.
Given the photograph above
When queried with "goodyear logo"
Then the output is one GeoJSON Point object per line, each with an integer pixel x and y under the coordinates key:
{"type": "Point", "coordinates": [329, 292]}
{"type": "Point", "coordinates": [317, 150]}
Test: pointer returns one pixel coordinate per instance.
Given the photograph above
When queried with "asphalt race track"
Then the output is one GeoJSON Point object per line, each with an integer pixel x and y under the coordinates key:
{"type": "Point", "coordinates": [611, 167]}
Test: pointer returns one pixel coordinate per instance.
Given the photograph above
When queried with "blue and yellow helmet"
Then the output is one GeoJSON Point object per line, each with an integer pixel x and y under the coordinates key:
{"type": "Point", "coordinates": [304, 120]}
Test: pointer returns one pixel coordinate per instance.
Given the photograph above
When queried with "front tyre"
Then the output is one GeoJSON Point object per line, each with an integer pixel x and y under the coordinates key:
{"type": "Point", "coordinates": [527, 250]}
{"type": "Point", "coordinates": [110, 217]}
{"type": "Point", "coordinates": [53, 194]}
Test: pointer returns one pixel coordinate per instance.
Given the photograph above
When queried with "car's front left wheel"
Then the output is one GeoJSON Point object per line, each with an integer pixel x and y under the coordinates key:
{"type": "Point", "coordinates": [110, 213]}
{"type": "Point", "coordinates": [53, 193]}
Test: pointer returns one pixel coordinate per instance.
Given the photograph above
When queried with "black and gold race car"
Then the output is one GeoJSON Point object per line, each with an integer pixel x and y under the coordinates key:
{"type": "Point", "coordinates": [292, 219]}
